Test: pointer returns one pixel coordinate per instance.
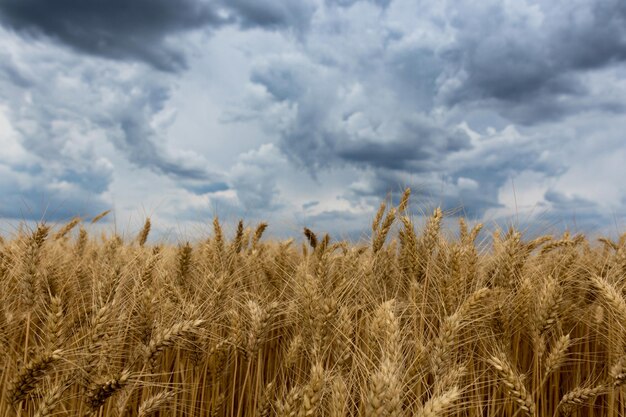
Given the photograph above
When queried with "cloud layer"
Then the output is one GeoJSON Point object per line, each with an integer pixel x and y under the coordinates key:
{"type": "Point", "coordinates": [312, 111]}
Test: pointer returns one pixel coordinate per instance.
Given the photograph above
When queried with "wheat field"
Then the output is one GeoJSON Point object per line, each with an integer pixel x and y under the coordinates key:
{"type": "Point", "coordinates": [412, 323]}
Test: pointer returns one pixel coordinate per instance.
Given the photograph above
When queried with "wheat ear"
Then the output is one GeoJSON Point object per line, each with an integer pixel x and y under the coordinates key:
{"type": "Point", "coordinates": [237, 243]}
{"type": "Point", "coordinates": [98, 393]}
{"type": "Point", "coordinates": [153, 404]}
{"type": "Point", "coordinates": [258, 234]}
{"type": "Point", "coordinates": [264, 406]}
{"type": "Point", "coordinates": [54, 326]}
{"type": "Point", "coordinates": [51, 399]}
{"type": "Point", "coordinates": [26, 380]}
{"type": "Point", "coordinates": [66, 228]}
{"type": "Point", "coordinates": [611, 295]}
{"type": "Point", "coordinates": [311, 237]}
{"type": "Point", "coordinates": [145, 231]}
{"type": "Point", "coordinates": [577, 397]}
{"type": "Point", "coordinates": [383, 397]}
{"type": "Point", "coordinates": [312, 393]}
{"type": "Point", "coordinates": [338, 398]}
{"type": "Point", "coordinates": [513, 382]}
{"type": "Point", "coordinates": [100, 216]}
{"type": "Point", "coordinates": [443, 345]}
{"type": "Point", "coordinates": [557, 355]}
{"type": "Point", "coordinates": [168, 337]}
{"type": "Point", "coordinates": [378, 217]}
{"type": "Point", "coordinates": [381, 235]}
{"type": "Point", "coordinates": [618, 372]}
{"type": "Point", "coordinates": [436, 406]}
{"type": "Point", "coordinates": [404, 201]}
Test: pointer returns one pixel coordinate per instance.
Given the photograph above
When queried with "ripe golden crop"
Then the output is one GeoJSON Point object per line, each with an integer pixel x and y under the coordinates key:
{"type": "Point", "coordinates": [407, 324]}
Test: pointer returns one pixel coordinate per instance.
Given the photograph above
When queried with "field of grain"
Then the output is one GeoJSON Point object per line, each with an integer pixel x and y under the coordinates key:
{"type": "Point", "coordinates": [412, 323]}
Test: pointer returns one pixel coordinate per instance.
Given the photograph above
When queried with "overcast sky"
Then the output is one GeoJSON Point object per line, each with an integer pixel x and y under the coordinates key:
{"type": "Point", "coordinates": [308, 112]}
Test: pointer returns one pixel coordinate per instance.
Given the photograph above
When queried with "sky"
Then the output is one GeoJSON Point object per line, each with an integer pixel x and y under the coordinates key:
{"type": "Point", "coordinates": [311, 112]}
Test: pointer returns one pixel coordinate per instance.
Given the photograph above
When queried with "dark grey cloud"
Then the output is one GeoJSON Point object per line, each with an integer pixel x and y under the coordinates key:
{"type": "Point", "coordinates": [454, 99]}
{"type": "Point", "coordinates": [390, 103]}
{"type": "Point", "coordinates": [205, 188]}
{"type": "Point", "coordinates": [310, 204]}
{"type": "Point", "coordinates": [318, 139]}
{"type": "Point", "coordinates": [467, 196]}
{"type": "Point", "coordinates": [562, 202]}
{"type": "Point", "coordinates": [529, 62]}
{"type": "Point", "coordinates": [41, 203]}
{"type": "Point", "coordinates": [418, 149]}
{"type": "Point", "coordinates": [116, 29]}
{"type": "Point", "coordinates": [593, 36]}
{"type": "Point", "coordinates": [11, 73]}
{"type": "Point", "coordinates": [67, 112]}
{"type": "Point", "coordinates": [138, 142]}
{"type": "Point", "coordinates": [412, 72]}
{"type": "Point", "coordinates": [393, 145]}
{"type": "Point", "coordinates": [283, 82]}
{"type": "Point", "coordinates": [272, 14]}
{"type": "Point", "coordinates": [127, 124]}
{"type": "Point", "coordinates": [350, 3]}
{"type": "Point", "coordinates": [36, 190]}
{"type": "Point", "coordinates": [575, 213]}
{"type": "Point", "coordinates": [146, 30]}
{"type": "Point", "coordinates": [94, 180]}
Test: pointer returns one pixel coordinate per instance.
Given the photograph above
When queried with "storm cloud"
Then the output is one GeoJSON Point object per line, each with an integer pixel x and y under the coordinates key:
{"type": "Point", "coordinates": [313, 111]}
{"type": "Point", "coordinates": [531, 54]}
{"type": "Point", "coordinates": [394, 100]}
{"type": "Point", "coordinates": [145, 30]}
{"type": "Point", "coordinates": [269, 14]}
{"type": "Point", "coordinates": [115, 29]}
{"type": "Point", "coordinates": [70, 118]}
